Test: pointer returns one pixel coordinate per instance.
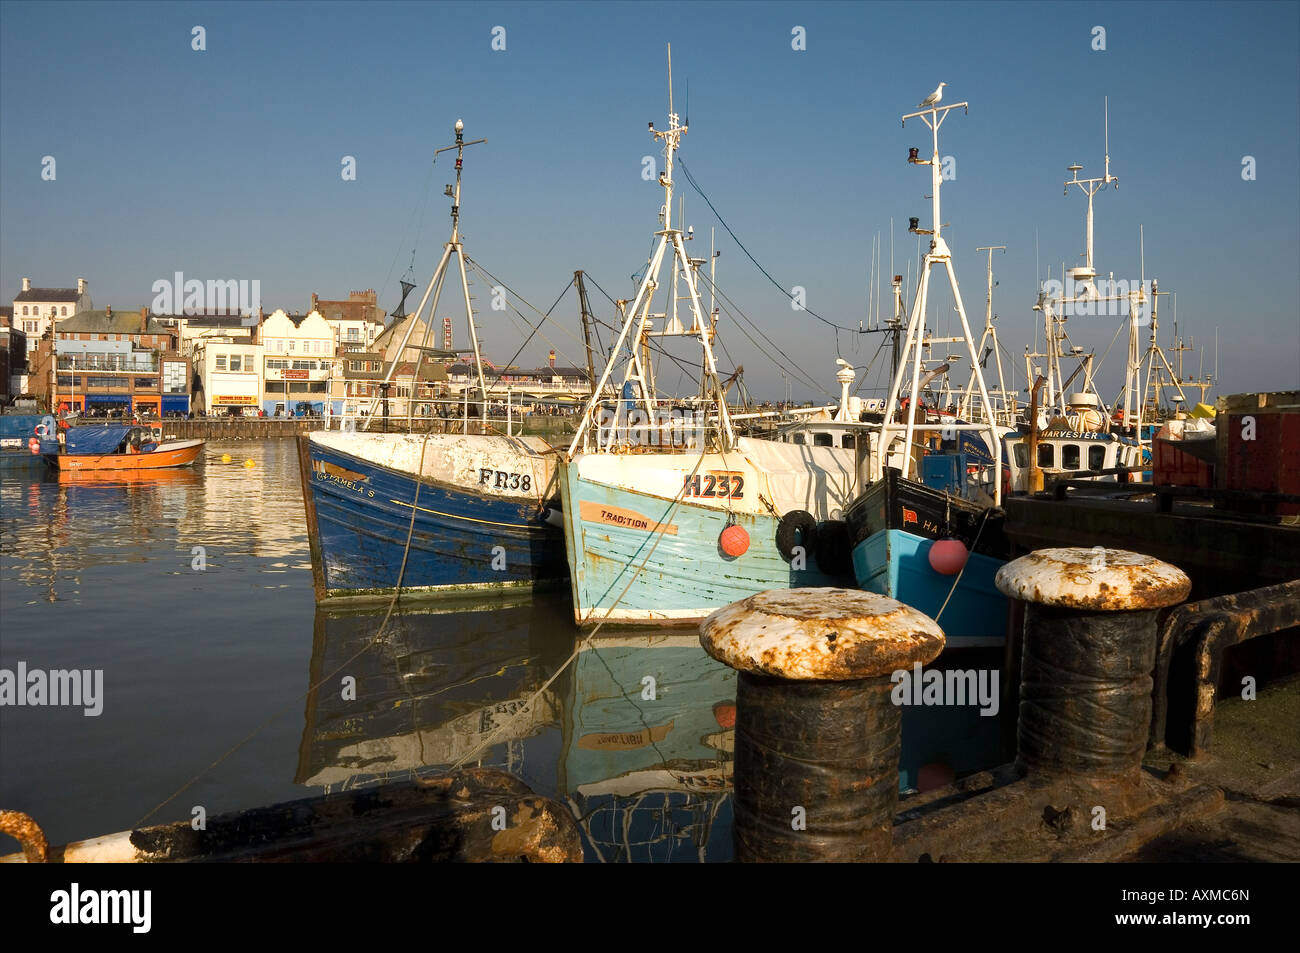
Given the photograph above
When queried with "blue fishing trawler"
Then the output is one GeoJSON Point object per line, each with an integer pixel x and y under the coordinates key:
{"type": "Point", "coordinates": [480, 519]}
{"type": "Point", "coordinates": [895, 527]}
{"type": "Point", "coordinates": [434, 513]}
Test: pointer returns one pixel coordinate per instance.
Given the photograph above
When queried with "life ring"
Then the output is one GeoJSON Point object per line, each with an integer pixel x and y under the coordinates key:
{"type": "Point", "coordinates": [796, 528]}
{"type": "Point", "coordinates": [834, 548]}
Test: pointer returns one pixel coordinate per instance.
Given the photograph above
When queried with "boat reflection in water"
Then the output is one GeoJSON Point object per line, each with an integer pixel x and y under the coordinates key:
{"type": "Point", "coordinates": [635, 734]}
{"type": "Point", "coordinates": [432, 690]}
{"type": "Point", "coordinates": [649, 736]}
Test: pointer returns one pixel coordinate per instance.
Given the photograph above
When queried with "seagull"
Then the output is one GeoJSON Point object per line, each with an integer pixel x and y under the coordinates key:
{"type": "Point", "coordinates": [934, 97]}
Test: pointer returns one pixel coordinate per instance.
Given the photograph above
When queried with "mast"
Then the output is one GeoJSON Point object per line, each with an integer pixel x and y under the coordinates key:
{"type": "Point", "coordinates": [938, 256]}
{"type": "Point", "coordinates": [585, 308]}
{"type": "Point", "coordinates": [454, 246]}
{"type": "Point", "coordinates": [638, 325]}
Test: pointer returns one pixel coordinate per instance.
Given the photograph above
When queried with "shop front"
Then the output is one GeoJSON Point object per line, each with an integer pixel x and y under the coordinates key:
{"type": "Point", "coordinates": [175, 405]}
{"type": "Point", "coordinates": [234, 405]}
{"type": "Point", "coordinates": [107, 405]}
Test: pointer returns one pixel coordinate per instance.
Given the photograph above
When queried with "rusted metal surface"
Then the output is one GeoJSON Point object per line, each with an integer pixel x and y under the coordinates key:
{"type": "Point", "coordinates": [1097, 579]}
{"type": "Point", "coordinates": [820, 635]}
{"type": "Point", "coordinates": [1161, 818]}
{"type": "Point", "coordinates": [1206, 629]}
{"type": "Point", "coordinates": [472, 816]}
{"type": "Point", "coordinates": [816, 770]}
{"type": "Point", "coordinates": [1085, 692]}
{"type": "Point", "coordinates": [27, 832]}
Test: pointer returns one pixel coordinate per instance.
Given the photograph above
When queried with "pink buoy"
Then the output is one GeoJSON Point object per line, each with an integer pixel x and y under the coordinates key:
{"type": "Point", "coordinates": [734, 541]}
{"type": "Point", "coordinates": [947, 556]}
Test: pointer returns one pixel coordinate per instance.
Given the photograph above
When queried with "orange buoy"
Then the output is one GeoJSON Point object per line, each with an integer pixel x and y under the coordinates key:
{"type": "Point", "coordinates": [724, 713]}
{"type": "Point", "coordinates": [734, 541]}
{"type": "Point", "coordinates": [947, 556]}
{"type": "Point", "coordinates": [34, 445]}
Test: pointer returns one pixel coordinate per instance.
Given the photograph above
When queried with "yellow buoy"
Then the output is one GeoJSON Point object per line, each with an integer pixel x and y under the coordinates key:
{"type": "Point", "coordinates": [225, 458]}
{"type": "Point", "coordinates": [249, 463]}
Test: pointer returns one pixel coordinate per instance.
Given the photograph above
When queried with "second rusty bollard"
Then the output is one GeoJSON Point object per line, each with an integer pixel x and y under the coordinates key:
{"type": "Point", "coordinates": [817, 736]}
{"type": "Point", "coordinates": [1089, 650]}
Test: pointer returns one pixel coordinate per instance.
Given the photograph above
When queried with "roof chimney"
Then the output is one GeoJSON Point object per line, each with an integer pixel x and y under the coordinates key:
{"type": "Point", "coordinates": [108, 310]}
{"type": "Point", "coordinates": [27, 284]}
{"type": "Point", "coordinates": [81, 286]}
{"type": "Point", "coordinates": [144, 320]}
{"type": "Point", "coordinates": [314, 301]}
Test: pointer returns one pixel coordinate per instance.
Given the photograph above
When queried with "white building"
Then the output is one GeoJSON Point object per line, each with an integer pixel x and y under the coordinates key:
{"type": "Point", "coordinates": [299, 353]}
{"type": "Point", "coordinates": [230, 374]}
{"type": "Point", "coordinates": [35, 309]}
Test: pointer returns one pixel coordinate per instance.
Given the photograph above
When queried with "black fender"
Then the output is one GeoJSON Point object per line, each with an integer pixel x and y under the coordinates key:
{"type": "Point", "coordinates": [796, 528]}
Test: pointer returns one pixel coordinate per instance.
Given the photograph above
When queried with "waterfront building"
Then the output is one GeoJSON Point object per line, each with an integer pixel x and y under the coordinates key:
{"type": "Point", "coordinates": [210, 325]}
{"type": "Point", "coordinates": [356, 321]}
{"type": "Point", "coordinates": [228, 373]}
{"type": "Point", "coordinates": [298, 353]}
{"type": "Point", "coordinates": [112, 362]}
{"type": "Point", "coordinates": [35, 309]}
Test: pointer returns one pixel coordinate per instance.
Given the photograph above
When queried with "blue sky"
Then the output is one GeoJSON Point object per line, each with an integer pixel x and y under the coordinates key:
{"type": "Point", "coordinates": [226, 163]}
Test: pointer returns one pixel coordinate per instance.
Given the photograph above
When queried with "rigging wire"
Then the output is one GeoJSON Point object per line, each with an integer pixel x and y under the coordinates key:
{"type": "Point", "coordinates": [691, 179]}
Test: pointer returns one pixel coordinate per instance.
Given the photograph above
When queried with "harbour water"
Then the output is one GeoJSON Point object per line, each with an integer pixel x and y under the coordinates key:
{"type": "Point", "coordinates": [191, 591]}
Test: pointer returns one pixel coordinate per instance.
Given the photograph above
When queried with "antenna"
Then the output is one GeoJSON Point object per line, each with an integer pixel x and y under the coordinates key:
{"type": "Point", "coordinates": [1142, 257]}
{"type": "Point", "coordinates": [1106, 171]}
{"type": "Point", "coordinates": [670, 78]}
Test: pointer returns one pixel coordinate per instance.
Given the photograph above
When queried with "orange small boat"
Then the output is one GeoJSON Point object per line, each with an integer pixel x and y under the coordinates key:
{"type": "Point", "coordinates": [122, 448]}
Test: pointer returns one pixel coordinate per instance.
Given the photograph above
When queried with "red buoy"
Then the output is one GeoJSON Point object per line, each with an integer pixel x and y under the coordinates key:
{"type": "Point", "coordinates": [734, 541]}
{"type": "Point", "coordinates": [34, 445]}
{"type": "Point", "coordinates": [947, 556]}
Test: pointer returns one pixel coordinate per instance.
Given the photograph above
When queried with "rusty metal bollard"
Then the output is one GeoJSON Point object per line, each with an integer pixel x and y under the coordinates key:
{"type": "Point", "coordinates": [817, 736]}
{"type": "Point", "coordinates": [1089, 651]}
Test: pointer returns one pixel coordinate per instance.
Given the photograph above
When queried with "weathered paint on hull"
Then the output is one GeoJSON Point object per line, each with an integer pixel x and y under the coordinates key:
{"type": "Point", "coordinates": [638, 575]}
{"type": "Point", "coordinates": [362, 525]}
{"type": "Point", "coordinates": [896, 563]}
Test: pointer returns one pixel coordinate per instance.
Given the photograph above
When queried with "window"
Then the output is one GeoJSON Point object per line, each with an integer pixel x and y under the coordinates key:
{"type": "Point", "coordinates": [1022, 455]}
{"type": "Point", "coordinates": [355, 365]}
{"type": "Point", "coordinates": [353, 335]}
{"type": "Point", "coordinates": [1046, 455]}
{"type": "Point", "coordinates": [221, 362]}
{"type": "Point", "coordinates": [65, 312]}
{"type": "Point", "coordinates": [1096, 457]}
{"type": "Point", "coordinates": [279, 346]}
{"type": "Point", "coordinates": [145, 383]}
{"type": "Point", "coordinates": [848, 442]}
{"type": "Point", "coordinates": [1070, 456]}
{"type": "Point", "coordinates": [235, 362]}
{"type": "Point", "coordinates": [273, 364]}
{"type": "Point", "coordinates": [291, 346]}
{"type": "Point", "coordinates": [823, 440]}
{"type": "Point", "coordinates": [304, 365]}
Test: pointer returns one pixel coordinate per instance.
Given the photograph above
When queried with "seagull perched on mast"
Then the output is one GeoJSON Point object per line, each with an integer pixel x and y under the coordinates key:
{"type": "Point", "coordinates": [934, 97]}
